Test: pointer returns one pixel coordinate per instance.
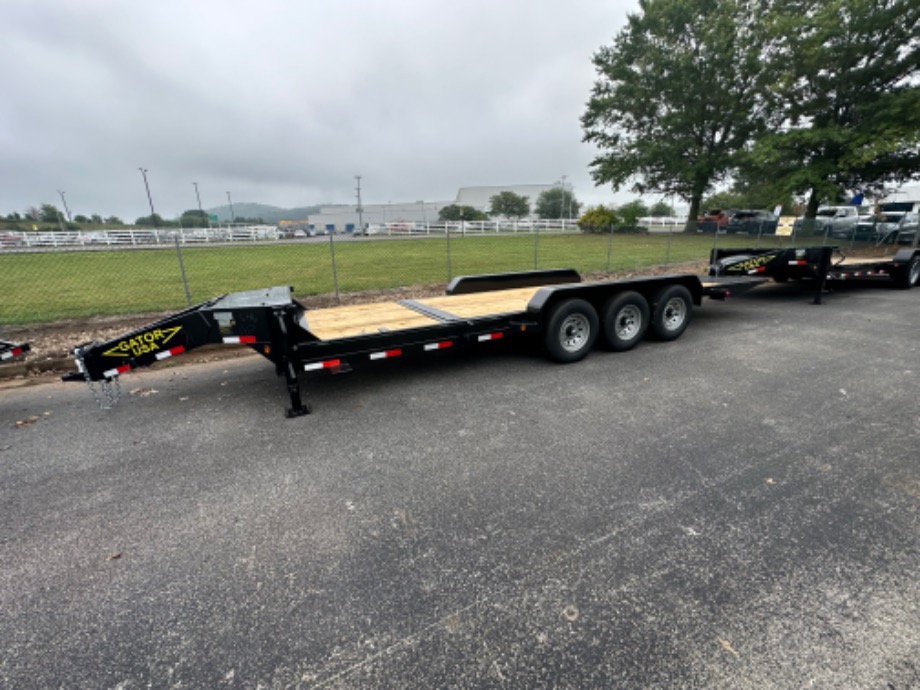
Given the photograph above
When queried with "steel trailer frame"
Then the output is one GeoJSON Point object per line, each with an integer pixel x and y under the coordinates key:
{"type": "Point", "coordinates": [476, 310]}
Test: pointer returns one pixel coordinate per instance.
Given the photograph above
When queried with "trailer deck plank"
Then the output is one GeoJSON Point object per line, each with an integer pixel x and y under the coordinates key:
{"type": "Point", "coordinates": [335, 323]}
{"type": "Point", "coordinates": [479, 304]}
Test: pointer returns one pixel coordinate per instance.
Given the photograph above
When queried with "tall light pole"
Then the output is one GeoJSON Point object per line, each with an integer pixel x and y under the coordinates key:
{"type": "Point", "coordinates": [153, 214]}
{"type": "Point", "coordinates": [359, 208]}
{"type": "Point", "coordinates": [200, 210]}
{"type": "Point", "coordinates": [232, 217]}
{"type": "Point", "coordinates": [67, 210]}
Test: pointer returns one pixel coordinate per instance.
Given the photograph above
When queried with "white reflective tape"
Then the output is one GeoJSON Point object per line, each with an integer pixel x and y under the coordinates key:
{"type": "Point", "coordinates": [438, 346]}
{"type": "Point", "coordinates": [112, 373]}
{"type": "Point", "coordinates": [386, 355]}
{"type": "Point", "coordinates": [490, 336]}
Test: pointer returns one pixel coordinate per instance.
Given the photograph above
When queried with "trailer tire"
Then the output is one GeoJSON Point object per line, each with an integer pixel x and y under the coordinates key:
{"type": "Point", "coordinates": [625, 322]}
{"type": "Point", "coordinates": [673, 311]}
{"type": "Point", "coordinates": [909, 275]}
{"type": "Point", "coordinates": [571, 331]}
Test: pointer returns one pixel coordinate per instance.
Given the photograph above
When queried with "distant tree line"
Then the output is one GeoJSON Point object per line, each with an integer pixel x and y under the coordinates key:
{"type": "Point", "coordinates": [192, 218]}
{"type": "Point", "coordinates": [50, 216]}
{"type": "Point", "coordinates": [551, 204]}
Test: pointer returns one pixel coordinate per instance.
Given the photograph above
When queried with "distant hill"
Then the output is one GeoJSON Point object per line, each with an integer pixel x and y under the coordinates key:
{"type": "Point", "coordinates": [270, 214]}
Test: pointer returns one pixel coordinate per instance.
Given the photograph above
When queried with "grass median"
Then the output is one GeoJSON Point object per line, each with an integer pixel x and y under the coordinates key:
{"type": "Point", "coordinates": [48, 286]}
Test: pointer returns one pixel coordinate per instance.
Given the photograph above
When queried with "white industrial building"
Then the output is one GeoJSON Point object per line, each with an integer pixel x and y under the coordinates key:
{"type": "Point", "coordinates": [344, 218]}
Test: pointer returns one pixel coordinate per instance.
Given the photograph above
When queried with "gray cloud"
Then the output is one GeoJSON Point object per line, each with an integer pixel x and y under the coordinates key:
{"type": "Point", "coordinates": [284, 102]}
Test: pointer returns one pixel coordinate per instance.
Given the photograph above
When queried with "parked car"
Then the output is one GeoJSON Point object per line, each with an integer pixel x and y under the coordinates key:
{"type": "Point", "coordinates": [713, 220]}
{"type": "Point", "coordinates": [752, 222]}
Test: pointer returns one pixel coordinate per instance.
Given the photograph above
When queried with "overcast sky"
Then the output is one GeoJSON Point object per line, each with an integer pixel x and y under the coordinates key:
{"type": "Point", "coordinates": [283, 101]}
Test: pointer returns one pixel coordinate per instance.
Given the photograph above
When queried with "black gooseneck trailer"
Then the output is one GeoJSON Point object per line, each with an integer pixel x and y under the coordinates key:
{"type": "Point", "coordinates": [819, 266]}
{"type": "Point", "coordinates": [555, 306]}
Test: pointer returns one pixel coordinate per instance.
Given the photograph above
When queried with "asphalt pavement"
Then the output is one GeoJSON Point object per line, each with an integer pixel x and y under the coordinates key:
{"type": "Point", "coordinates": [737, 509]}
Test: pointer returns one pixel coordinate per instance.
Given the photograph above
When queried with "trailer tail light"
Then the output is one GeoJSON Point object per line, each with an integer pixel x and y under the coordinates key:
{"type": "Point", "coordinates": [491, 336]}
{"type": "Point", "coordinates": [112, 373]}
{"type": "Point", "coordinates": [443, 345]}
{"type": "Point", "coordinates": [178, 350]}
{"type": "Point", "coordinates": [15, 352]}
{"type": "Point", "coordinates": [328, 364]}
{"type": "Point", "coordinates": [241, 339]}
{"type": "Point", "coordinates": [385, 355]}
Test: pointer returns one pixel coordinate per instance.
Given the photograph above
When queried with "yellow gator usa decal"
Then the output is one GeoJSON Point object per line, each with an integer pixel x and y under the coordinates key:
{"type": "Point", "coordinates": [151, 341]}
{"type": "Point", "coordinates": [754, 263]}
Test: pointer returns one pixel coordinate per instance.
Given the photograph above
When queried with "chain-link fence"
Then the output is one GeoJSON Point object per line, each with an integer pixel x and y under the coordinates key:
{"type": "Point", "coordinates": [61, 276]}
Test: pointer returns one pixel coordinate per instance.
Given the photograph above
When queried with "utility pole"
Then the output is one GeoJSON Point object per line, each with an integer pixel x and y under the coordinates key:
{"type": "Point", "coordinates": [359, 208]}
{"type": "Point", "coordinates": [200, 210]}
{"type": "Point", "coordinates": [153, 214]}
{"type": "Point", "coordinates": [66, 210]}
{"type": "Point", "coordinates": [232, 217]}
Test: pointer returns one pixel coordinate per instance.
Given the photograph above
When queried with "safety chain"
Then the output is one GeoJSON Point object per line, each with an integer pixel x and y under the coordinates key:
{"type": "Point", "coordinates": [109, 390]}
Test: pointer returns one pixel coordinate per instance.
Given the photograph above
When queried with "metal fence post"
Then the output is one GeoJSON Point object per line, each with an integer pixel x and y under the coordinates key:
{"type": "Point", "coordinates": [609, 245]}
{"type": "Point", "coordinates": [536, 240]}
{"type": "Point", "coordinates": [450, 274]}
{"type": "Point", "coordinates": [667, 253]}
{"type": "Point", "coordinates": [188, 295]}
{"type": "Point", "coordinates": [335, 272]}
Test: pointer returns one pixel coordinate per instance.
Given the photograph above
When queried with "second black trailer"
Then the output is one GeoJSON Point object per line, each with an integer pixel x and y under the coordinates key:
{"type": "Point", "coordinates": [820, 266]}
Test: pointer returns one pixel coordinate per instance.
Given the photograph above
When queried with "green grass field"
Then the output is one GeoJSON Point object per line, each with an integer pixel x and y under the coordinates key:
{"type": "Point", "coordinates": [44, 287]}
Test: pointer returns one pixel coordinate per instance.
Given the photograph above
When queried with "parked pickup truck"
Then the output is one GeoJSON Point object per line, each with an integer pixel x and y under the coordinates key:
{"type": "Point", "coordinates": [834, 221]}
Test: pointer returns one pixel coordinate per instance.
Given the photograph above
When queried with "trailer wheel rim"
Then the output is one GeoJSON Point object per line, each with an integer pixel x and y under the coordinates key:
{"type": "Point", "coordinates": [674, 314]}
{"type": "Point", "coordinates": [628, 322]}
{"type": "Point", "coordinates": [574, 332]}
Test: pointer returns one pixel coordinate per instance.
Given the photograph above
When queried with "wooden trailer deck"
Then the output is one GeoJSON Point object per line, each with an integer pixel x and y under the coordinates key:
{"type": "Point", "coordinates": [336, 323]}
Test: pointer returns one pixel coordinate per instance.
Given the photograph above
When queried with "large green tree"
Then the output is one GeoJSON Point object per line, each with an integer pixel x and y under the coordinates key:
{"type": "Point", "coordinates": [509, 205]}
{"type": "Point", "coordinates": [557, 203]}
{"type": "Point", "coordinates": [632, 211]}
{"type": "Point", "coordinates": [849, 96]}
{"type": "Point", "coordinates": [661, 208]}
{"type": "Point", "coordinates": [679, 95]}
{"type": "Point", "coordinates": [194, 218]}
{"type": "Point", "coordinates": [49, 213]}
